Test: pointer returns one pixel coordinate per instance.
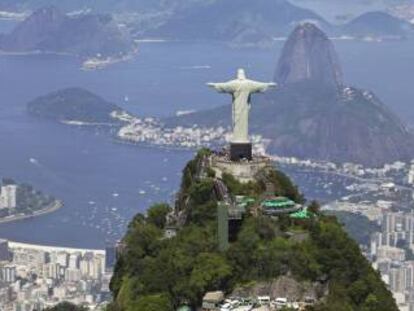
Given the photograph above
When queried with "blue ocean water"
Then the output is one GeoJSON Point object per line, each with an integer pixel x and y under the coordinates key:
{"type": "Point", "coordinates": [101, 181]}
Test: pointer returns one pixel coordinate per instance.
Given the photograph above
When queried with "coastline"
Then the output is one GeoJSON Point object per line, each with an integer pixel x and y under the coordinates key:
{"type": "Point", "coordinates": [56, 205]}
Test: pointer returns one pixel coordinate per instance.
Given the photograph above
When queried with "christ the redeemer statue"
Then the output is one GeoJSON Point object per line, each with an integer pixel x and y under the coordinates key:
{"type": "Point", "coordinates": [241, 90]}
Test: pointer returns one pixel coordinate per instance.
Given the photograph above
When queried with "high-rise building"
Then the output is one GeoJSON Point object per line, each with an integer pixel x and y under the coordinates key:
{"type": "Point", "coordinates": [4, 250]}
{"type": "Point", "coordinates": [397, 231]}
{"type": "Point", "coordinates": [74, 260]}
{"type": "Point", "coordinates": [51, 271]}
{"type": "Point", "coordinates": [61, 258]}
{"type": "Point", "coordinates": [390, 253]}
{"type": "Point", "coordinates": [397, 280]}
{"type": "Point", "coordinates": [410, 177]}
{"type": "Point", "coordinates": [72, 275]}
{"type": "Point", "coordinates": [110, 257]}
{"type": "Point", "coordinates": [8, 273]}
{"type": "Point", "coordinates": [8, 196]}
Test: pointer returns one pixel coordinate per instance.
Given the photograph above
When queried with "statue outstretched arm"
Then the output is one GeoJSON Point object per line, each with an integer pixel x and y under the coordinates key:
{"type": "Point", "coordinates": [260, 87]}
{"type": "Point", "coordinates": [226, 87]}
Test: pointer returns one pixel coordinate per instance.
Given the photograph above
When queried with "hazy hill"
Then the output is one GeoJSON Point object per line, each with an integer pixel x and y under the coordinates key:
{"type": "Point", "coordinates": [108, 6]}
{"type": "Point", "coordinates": [377, 24]}
{"type": "Point", "coordinates": [235, 20]}
{"type": "Point", "coordinates": [73, 104]}
{"type": "Point", "coordinates": [314, 115]}
{"type": "Point", "coordinates": [50, 30]}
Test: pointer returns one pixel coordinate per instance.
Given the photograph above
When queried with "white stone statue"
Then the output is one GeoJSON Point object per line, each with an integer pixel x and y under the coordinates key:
{"type": "Point", "coordinates": [241, 89]}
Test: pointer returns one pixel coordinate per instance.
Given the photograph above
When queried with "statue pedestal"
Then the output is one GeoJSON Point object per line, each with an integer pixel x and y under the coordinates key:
{"type": "Point", "coordinates": [243, 171]}
{"type": "Point", "coordinates": [240, 151]}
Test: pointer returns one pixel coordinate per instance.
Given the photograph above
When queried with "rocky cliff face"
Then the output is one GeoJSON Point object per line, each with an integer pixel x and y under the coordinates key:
{"type": "Point", "coordinates": [50, 30]}
{"type": "Point", "coordinates": [313, 115]}
{"type": "Point", "coordinates": [309, 55]}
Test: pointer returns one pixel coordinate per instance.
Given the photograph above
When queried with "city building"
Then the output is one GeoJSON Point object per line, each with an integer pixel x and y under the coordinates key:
{"type": "Point", "coordinates": [37, 277]}
{"type": "Point", "coordinates": [110, 259]}
{"type": "Point", "coordinates": [8, 196]}
{"type": "Point", "coordinates": [4, 250]}
{"type": "Point", "coordinates": [8, 273]}
{"type": "Point", "coordinates": [410, 176]}
{"type": "Point", "coordinates": [390, 253]}
{"type": "Point", "coordinates": [212, 301]}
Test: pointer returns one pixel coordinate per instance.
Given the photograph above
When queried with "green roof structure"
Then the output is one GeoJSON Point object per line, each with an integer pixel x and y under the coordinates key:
{"type": "Point", "coordinates": [302, 214]}
{"type": "Point", "coordinates": [280, 202]}
{"type": "Point", "coordinates": [245, 202]}
{"type": "Point", "coordinates": [280, 205]}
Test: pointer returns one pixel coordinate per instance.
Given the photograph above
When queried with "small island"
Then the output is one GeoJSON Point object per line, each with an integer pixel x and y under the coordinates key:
{"type": "Point", "coordinates": [22, 201]}
{"type": "Point", "coordinates": [75, 106]}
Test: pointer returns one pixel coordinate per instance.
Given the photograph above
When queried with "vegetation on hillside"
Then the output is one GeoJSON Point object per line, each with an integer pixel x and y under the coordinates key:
{"type": "Point", "coordinates": [73, 104]}
{"type": "Point", "coordinates": [66, 306]}
{"type": "Point", "coordinates": [155, 273]}
{"type": "Point", "coordinates": [360, 228]}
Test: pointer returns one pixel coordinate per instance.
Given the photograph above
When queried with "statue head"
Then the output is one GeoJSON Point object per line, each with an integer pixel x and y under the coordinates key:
{"type": "Point", "coordinates": [241, 74]}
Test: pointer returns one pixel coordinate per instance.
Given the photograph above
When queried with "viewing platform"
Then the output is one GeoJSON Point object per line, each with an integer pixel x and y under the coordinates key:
{"type": "Point", "coordinates": [243, 170]}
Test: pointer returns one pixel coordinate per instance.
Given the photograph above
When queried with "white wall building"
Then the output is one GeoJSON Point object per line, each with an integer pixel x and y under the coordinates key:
{"type": "Point", "coordinates": [410, 177]}
{"type": "Point", "coordinates": [8, 196]}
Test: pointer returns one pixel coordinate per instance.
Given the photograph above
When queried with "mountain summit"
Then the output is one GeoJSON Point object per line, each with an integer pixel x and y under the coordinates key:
{"type": "Point", "coordinates": [309, 55]}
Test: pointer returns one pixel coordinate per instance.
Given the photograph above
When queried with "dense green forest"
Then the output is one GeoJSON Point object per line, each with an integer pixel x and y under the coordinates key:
{"type": "Point", "coordinates": [155, 273]}
{"type": "Point", "coordinates": [66, 306]}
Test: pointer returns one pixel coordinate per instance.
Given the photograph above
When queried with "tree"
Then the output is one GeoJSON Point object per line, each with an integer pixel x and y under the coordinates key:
{"type": "Point", "coordinates": [283, 186]}
{"type": "Point", "coordinates": [66, 306]}
{"type": "Point", "coordinates": [211, 272]}
{"type": "Point", "coordinates": [314, 207]}
{"type": "Point", "coordinates": [158, 302]}
{"type": "Point", "coordinates": [157, 215]}
{"type": "Point", "coordinates": [201, 192]}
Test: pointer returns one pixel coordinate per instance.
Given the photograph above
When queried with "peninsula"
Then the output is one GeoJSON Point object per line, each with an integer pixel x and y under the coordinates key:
{"type": "Point", "coordinates": [22, 201]}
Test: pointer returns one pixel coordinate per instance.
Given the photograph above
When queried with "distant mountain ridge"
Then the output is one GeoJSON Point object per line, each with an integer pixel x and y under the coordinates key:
{"type": "Point", "coordinates": [314, 115]}
{"type": "Point", "coordinates": [50, 30]}
{"type": "Point", "coordinates": [238, 22]}
{"type": "Point", "coordinates": [107, 6]}
{"type": "Point", "coordinates": [232, 20]}
{"type": "Point", "coordinates": [376, 24]}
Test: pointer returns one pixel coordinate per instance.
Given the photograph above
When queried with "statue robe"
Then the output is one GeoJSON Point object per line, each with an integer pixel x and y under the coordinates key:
{"type": "Point", "coordinates": [241, 91]}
